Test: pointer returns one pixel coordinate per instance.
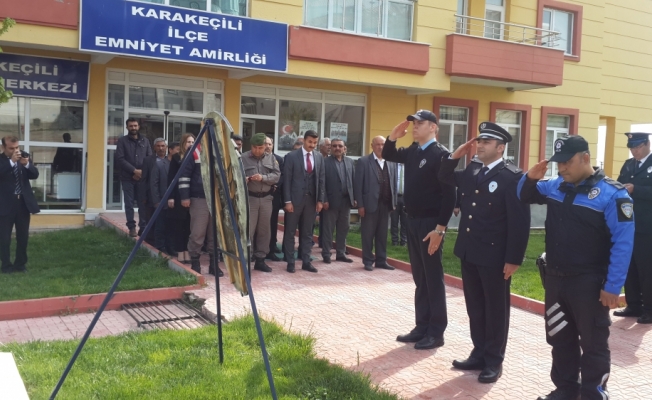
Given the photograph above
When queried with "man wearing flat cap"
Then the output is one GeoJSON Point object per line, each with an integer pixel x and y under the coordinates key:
{"type": "Point", "coordinates": [493, 235]}
{"type": "Point", "coordinates": [636, 175]}
{"type": "Point", "coordinates": [589, 241]}
{"type": "Point", "coordinates": [263, 172]}
{"type": "Point", "coordinates": [429, 205]}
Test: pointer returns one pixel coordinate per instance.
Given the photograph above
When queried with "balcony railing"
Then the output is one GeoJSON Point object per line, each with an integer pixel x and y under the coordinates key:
{"type": "Point", "coordinates": [472, 26]}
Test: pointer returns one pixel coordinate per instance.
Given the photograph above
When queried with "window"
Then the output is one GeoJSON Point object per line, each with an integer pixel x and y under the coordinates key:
{"type": "Point", "coordinates": [562, 22]}
{"type": "Point", "coordinates": [231, 7]}
{"type": "Point", "coordinates": [557, 127]}
{"type": "Point", "coordinates": [286, 113]}
{"type": "Point", "coordinates": [453, 128]}
{"type": "Point", "coordinates": [494, 11]}
{"type": "Point", "coordinates": [511, 121]}
{"type": "Point", "coordinates": [462, 9]}
{"type": "Point", "coordinates": [53, 134]}
{"type": "Point", "coordinates": [384, 18]}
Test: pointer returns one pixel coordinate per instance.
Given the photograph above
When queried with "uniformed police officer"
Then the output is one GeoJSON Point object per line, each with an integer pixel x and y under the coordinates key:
{"type": "Point", "coordinates": [636, 175]}
{"type": "Point", "coordinates": [262, 173]}
{"type": "Point", "coordinates": [589, 238]}
{"type": "Point", "coordinates": [493, 234]}
{"type": "Point", "coordinates": [429, 205]}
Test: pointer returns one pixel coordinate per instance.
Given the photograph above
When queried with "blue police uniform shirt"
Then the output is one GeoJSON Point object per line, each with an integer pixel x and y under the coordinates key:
{"type": "Point", "coordinates": [609, 202]}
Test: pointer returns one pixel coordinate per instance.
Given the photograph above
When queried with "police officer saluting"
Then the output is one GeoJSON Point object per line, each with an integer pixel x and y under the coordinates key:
{"type": "Point", "coordinates": [589, 237]}
{"type": "Point", "coordinates": [429, 205]}
{"type": "Point", "coordinates": [636, 175]}
{"type": "Point", "coordinates": [262, 173]}
{"type": "Point", "coordinates": [493, 234]}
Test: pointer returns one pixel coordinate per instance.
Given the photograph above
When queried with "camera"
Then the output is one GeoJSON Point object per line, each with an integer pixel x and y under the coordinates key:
{"type": "Point", "coordinates": [24, 154]}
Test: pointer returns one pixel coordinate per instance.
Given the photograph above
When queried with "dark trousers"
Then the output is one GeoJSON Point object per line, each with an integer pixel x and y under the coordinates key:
{"type": "Point", "coordinates": [577, 328]}
{"type": "Point", "coordinates": [398, 217]}
{"type": "Point", "coordinates": [134, 191]}
{"type": "Point", "coordinates": [638, 286]}
{"type": "Point", "coordinates": [305, 212]}
{"type": "Point", "coordinates": [319, 231]}
{"type": "Point", "coordinates": [486, 293]}
{"type": "Point", "coordinates": [373, 232]}
{"type": "Point", "coordinates": [180, 229]}
{"type": "Point", "coordinates": [428, 275]}
{"type": "Point", "coordinates": [20, 220]}
{"type": "Point", "coordinates": [335, 219]}
{"type": "Point", "coordinates": [273, 227]}
{"type": "Point", "coordinates": [163, 235]}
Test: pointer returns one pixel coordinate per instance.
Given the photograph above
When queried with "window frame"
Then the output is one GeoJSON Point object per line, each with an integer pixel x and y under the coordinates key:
{"type": "Point", "coordinates": [526, 118]}
{"type": "Point", "coordinates": [358, 19]}
{"type": "Point", "coordinates": [454, 123]}
{"type": "Point", "coordinates": [323, 101]}
{"type": "Point", "coordinates": [502, 10]}
{"type": "Point", "coordinates": [577, 11]}
{"type": "Point", "coordinates": [472, 105]}
{"type": "Point", "coordinates": [573, 124]}
{"type": "Point", "coordinates": [208, 4]}
{"type": "Point", "coordinates": [552, 27]}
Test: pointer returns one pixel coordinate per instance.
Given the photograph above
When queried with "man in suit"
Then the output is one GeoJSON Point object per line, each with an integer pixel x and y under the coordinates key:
{"type": "Point", "coordinates": [155, 171]}
{"type": "Point", "coordinates": [325, 150]}
{"type": "Point", "coordinates": [636, 175]}
{"type": "Point", "coordinates": [303, 191]}
{"type": "Point", "coordinates": [18, 202]}
{"type": "Point", "coordinates": [277, 202]}
{"type": "Point", "coordinates": [130, 154]}
{"type": "Point", "coordinates": [338, 201]}
{"type": "Point", "coordinates": [375, 193]}
{"type": "Point", "coordinates": [491, 243]}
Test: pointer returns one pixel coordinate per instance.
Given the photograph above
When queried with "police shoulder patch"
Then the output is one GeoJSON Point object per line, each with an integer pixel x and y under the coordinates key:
{"type": "Point", "coordinates": [614, 183]}
{"type": "Point", "coordinates": [625, 209]}
{"type": "Point", "coordinates": [442, 147]}
{"type": "Point", "coordinates": [513, 168]}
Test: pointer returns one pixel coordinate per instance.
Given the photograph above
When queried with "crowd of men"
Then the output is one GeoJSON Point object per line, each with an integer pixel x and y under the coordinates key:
{"type": "Point", "coordinates": [593, 244]}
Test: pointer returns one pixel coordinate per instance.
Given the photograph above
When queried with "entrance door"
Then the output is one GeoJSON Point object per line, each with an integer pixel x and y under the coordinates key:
{"type": "Point", "coordinates": [153, 126]}
{"type": "Point", "coordinates": [248, 129]}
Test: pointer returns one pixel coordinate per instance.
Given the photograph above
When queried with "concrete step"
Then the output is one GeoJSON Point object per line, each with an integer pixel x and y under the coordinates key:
{"type": "Point", "coordinates": [10, 380]}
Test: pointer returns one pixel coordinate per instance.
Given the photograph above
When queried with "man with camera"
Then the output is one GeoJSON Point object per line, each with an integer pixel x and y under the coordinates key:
{"type": "Point", "coordinates": [18, 202]}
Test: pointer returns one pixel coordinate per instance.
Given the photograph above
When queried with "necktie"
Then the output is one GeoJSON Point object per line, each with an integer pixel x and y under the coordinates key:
{"type": "Point", "coordinates": [400, 179]}
{"type": "Point", "coordinates": [17, 177]}
{"type": "Point", "coordinates": [308, 163]}
{"type": "Point", "coordinates": [482, 172]}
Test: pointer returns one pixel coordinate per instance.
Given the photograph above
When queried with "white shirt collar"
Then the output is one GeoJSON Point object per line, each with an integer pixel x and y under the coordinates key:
{"type": "Point", "coordinates": [380, 161]}
{"type": "Point", "coordinates": [303, 149]}
{"type": "Point", "coordinates": [493, 164]}
{"type": "Point", "coordinates": [642, 160]}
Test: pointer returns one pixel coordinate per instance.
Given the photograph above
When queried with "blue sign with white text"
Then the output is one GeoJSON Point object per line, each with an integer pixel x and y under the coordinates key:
{"type": "Point", "coordinates": [178, 34]}
{"type": "Point", "coordinates": [52, 78]}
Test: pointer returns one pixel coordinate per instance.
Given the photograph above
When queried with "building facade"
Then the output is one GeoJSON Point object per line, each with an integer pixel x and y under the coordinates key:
{"type": "Point", "coordinates": [354, 69]}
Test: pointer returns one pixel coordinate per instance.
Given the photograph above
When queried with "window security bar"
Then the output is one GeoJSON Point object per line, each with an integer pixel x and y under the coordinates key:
{"type": "Point", "coordinates": [472, 26]}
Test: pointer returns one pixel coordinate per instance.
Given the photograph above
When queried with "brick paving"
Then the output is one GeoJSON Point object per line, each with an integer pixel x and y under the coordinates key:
{"type": "Point", "coordinates": [355, 316]}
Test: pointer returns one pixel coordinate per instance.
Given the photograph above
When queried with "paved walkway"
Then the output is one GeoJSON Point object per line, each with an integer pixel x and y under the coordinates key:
{"type": "Point", "coordinates": [355, 316]}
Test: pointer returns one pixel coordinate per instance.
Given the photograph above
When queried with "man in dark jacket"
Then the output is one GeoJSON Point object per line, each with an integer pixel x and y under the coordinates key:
{"type": "Point", "coordinates": [158, 166]}
{"type": "Point", "coordinates": [130, 154]}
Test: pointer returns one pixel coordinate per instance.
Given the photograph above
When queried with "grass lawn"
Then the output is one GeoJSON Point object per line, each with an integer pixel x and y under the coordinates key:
{"type": "Point", "coordinates": [526, 282]}
{"type": "Point", "coordinates": [184, 365]}
{"type": "Point", "coordinates": [85, 261]}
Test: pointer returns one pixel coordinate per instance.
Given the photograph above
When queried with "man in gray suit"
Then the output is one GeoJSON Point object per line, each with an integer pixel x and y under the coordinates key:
{"type": "Point", "coordinates": [337, 201]}
{"type": "Point", "coordinates": [303, 191]}
{"type": "Point", "coordinates": [375, 192]}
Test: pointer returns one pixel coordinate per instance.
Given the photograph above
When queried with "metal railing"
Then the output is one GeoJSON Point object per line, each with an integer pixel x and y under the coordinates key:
{"type": "Point", "coordinates": [472, 26]}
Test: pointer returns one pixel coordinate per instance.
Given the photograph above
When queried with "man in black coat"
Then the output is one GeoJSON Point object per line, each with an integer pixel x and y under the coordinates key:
{"type": "Point", "coordinates": [130, 154]}
{"type": "Point", "coordinates": [339, 173]}
{"type": "Point", "coordinates": [277, 202]}
{"type": "Point", "coordinates": [429, 205]}
{"type": "Point", "coordinates": [493, 235]}
{"type": "Point", "coordinates": [636, 175]}
{"type": "Point", "coordinates": [17, 202]}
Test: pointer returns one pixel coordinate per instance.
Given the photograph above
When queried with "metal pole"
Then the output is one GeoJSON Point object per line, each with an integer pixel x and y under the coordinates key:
{"type": "Point", "coordinates": [238, 240]}
{"type": "Point", "coordinates": [126, 265]}
{"type": "Point", "coordinates": [218, 301]}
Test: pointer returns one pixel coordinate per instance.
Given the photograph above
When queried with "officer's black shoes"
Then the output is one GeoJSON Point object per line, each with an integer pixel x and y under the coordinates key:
{"type": "Point", "coordinates": [327, 259]}
{"type": "Point", "coordinates": [343, 259]}
{"type": "Point", "coordinates": [491, 374]}
{"type": "Point", "coordinates": [385, 266]}
{"type": "Point", "coordinates": [273, 257]}
{"type": "Point", "coordinates": [132, 232]}
{"type": "Point", "coordinates": [290, 268]}
{"type": "Point", "coordinates": [429, 342]}
{"type": "Point", "coordinates": [411, 337]}
{"type": "Point", "coordinates": [369, 267]}
{"type": "Point", "coordinates": [308, 267]}
{"type": "Point", "coordinates": [469, 364]}
{"type": "Point", "coordinates": [561, 394]}
{"type": "Point", "coordinates": [195, 265]}
{"type": "Point", "coordinates": [646, 318]}
{"type": "Point", "coordinates": [261, 266]}
{"type": "Point", "coordinates": [628, 312]}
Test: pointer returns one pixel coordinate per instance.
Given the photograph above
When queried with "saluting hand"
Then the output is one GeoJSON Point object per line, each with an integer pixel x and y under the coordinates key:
{"type": "Point", "coordinates": [509, 270]}
{"type": "Point", "coordinates": [399, 130]}
{"type": "Point", "coordinates": [608, 299]}
{"type": "Point", "coordinates": [467, 149]}
{"type": "Point", "coordinates": [538, 171]}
